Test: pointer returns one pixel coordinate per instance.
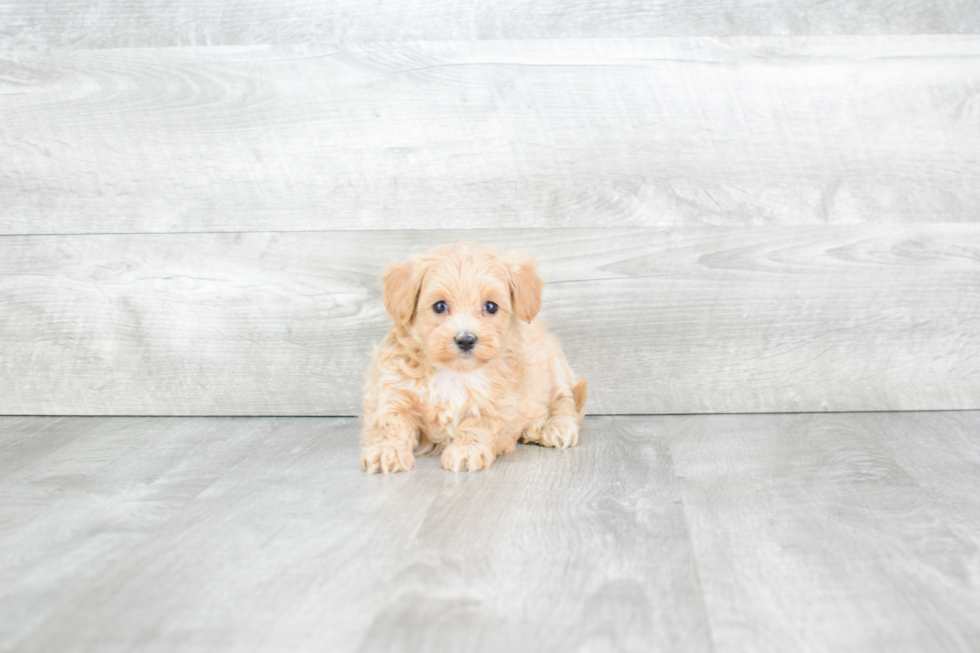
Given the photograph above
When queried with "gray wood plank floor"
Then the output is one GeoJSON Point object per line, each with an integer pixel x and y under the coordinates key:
{"type": "Point", "coordinates": [678, 533]}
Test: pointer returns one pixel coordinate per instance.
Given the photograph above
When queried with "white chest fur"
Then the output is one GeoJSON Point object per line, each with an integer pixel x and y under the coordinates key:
{"type": "Point", "coordinates": [453, 391]}
{"type": "Point", "coordinates": [447, 387]}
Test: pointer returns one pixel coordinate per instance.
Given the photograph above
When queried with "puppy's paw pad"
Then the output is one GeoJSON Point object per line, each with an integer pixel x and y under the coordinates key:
{"type": "Point", "coordinates": [560, 432]}
{"type": "Point", "coordinates": [387, 458]}
{"type": "Point", "coordinates": [470, 457]}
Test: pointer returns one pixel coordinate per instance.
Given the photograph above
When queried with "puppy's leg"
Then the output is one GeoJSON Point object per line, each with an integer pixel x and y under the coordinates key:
{"type": "Point", "coordinates": [561, 429]}
{"type": "Point", "coordinates": [473, 447]}
{"type": "Point", "coordinates": [532, 434]}
{"type": "Point", "coordinates": [506, 441]}
{"type": "Point", "coordinates": [388, 443]}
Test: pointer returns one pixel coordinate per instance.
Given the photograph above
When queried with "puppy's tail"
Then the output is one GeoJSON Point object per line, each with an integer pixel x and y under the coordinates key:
{"type": "Point", "coordinates": [579, 393]}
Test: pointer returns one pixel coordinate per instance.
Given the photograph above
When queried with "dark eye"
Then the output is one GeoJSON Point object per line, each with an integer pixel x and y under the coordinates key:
{"type": "Point", "coordinates": [490, 308]}
{"type": "Point", "coordinates": [439, 307]}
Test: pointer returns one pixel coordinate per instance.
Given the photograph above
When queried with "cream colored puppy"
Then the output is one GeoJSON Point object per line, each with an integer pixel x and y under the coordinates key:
{"type": "Point", "coordinates": [465, 369]}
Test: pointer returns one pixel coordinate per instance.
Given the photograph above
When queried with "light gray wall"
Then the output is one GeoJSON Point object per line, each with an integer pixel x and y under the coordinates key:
{"type": "Point", "coordinates": [739, 209]}
{"type": "Point", "coordinates": [28, 24]}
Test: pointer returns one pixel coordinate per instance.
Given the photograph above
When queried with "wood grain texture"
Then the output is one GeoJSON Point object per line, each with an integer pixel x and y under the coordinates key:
{"type": "Point", "coordinates": [811, 536]}
{"type": "Point", "coordinates": [939, 452]}
{"type": "Point", "coordinates": [80, 496]}
{"type": "Point", "coordinates": [294, 546]}
{"type": "Point", "coordinates": [702, 533]}
{"type": "Point", "coordinates": [167, 23]}
{"type": "Point", "coordinates": [489, 134]}
{"type": "Point", "coordinates": [769, 319]}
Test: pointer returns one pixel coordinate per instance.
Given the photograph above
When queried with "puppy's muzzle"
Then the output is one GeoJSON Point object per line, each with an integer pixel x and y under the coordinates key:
{"type": "Point", "coordinates": [465, 341]}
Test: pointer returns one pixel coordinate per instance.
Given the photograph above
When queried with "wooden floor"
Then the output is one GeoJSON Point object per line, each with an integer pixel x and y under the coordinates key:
{"type": "Point", "coordinates": [804, 532]}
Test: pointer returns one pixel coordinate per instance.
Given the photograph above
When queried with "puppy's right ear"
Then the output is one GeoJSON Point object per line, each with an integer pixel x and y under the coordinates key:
{"type": "Point", "coordinates": [401, 289]}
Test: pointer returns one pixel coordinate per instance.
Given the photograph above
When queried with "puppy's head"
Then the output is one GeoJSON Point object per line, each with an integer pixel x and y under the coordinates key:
{"type": "Point", "coordinates": [462, 301]}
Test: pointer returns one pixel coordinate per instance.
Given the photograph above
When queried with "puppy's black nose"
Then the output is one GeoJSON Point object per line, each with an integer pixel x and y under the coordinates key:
{"type": "Point", "coordinates": [465, 341]}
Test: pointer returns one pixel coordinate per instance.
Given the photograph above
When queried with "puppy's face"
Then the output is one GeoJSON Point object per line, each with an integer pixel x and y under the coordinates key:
{"type": "Point", "coordinates": [461, 301]}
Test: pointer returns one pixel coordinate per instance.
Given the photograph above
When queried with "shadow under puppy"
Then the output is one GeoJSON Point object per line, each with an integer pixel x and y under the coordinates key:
{"type": "Point", "coordinates": [465, 369]}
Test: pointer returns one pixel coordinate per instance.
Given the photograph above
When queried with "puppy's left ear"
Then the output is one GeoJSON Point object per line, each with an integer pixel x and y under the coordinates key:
{"type": "Point", "coordinates": [525, 287]}
{"type": "Point", "coordinates": [401, 290]}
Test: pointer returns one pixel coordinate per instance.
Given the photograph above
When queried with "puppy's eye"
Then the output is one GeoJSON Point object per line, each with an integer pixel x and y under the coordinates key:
{"type": "Point", "coordinates": [440, 307]}
{"type": "Point", "coordinates": [490, 308]}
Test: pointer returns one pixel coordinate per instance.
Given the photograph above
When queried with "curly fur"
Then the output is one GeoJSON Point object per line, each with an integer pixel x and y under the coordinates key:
{"type": "Point", "coordinates": [425, 394]}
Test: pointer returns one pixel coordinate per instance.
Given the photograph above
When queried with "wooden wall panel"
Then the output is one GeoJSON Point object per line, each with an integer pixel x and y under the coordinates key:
{"type": "Point", "coordinates": [701, 319]}
{"type": "Point", "coordinates": [489, 134]}
{"type": "Point", "coordinates": [168, 23]}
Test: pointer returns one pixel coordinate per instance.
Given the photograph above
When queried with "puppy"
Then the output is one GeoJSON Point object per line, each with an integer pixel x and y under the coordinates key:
{"type": "Point", "coordinates": [466, 369]}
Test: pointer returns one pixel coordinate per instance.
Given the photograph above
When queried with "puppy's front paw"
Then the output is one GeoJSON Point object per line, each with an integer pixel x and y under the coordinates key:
{"type": "Point", "coordinates": [532, 434]}
{"type": "Point", "coordinates": [387, 458]}
{"type": "Point", "coordinates": [471, 456]}
{"type": "Point", "coordinates": [560, 432]}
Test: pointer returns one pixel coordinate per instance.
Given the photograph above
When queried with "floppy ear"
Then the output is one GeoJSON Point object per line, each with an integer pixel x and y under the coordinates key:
{"type": "Point", "coordinates": [401, 290]}
{"type": "Point", "coordinates": [525, 288]}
